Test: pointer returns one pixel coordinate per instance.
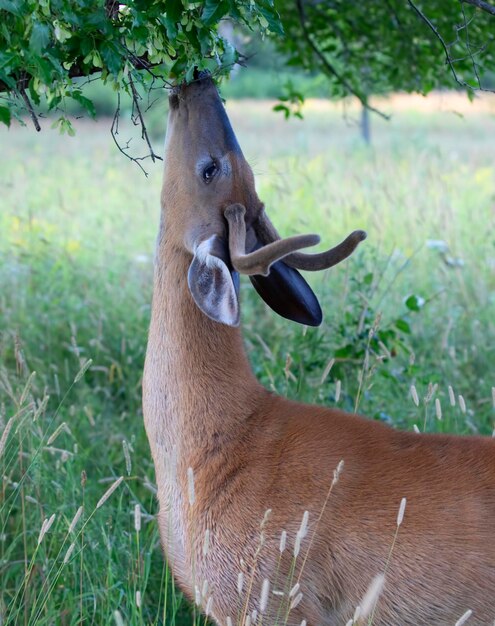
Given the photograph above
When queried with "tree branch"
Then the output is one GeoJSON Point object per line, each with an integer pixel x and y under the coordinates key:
{"type": "Point", "coordinates": [481, 4]}
{"type": "Point", "coordinates": [448, 58]}
{"type": "Point", "coordinates": [22, 90]}
{"type": "Point", "coordinates": [329, 67]}
{"type": "Point", "coordinates": [144, 130]}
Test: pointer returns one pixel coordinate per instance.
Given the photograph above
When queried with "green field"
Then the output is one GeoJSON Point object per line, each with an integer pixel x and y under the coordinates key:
{"type": "Point", "coordinates": [414, 306]}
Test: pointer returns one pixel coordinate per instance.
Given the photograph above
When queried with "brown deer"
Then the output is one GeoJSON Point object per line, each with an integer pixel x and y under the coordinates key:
{"type": "Point", "coordinates": [226, 450]}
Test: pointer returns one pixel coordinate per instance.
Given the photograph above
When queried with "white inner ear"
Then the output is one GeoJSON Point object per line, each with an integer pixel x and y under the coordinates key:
{"type": "Point", "coordinates": [211, 285]}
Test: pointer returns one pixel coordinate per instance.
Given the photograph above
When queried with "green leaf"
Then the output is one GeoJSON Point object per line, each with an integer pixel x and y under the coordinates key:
{"type": "Point", "coordinates": [85, 102]}
{"type": "Point", "coordinates": [111, 57]}
{"type": "Point", "coordinates": [214, 11]}
{"type": "Point", "coordinates": [173, 9]}
{"type": "Point", "coordinates": [403, 326]}
{"type": "Point", "coordinates": [414, 303]}
{"type": "Point", "coordinates": [5, 116]}
{"type": "Point", "coordinates": [273, 19]}
{"type": "Point", "coordinates": [12, 6]}
{"type": "Point", "coordinates": [40, 37]}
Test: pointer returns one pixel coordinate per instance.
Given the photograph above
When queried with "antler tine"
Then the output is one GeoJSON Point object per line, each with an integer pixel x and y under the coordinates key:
{"type": "Point", "coordinates": [267, 232]}
{"type": "Point", "coordinates": [259, 261]}
{"type": "Point", "coordinates": [329, 258]}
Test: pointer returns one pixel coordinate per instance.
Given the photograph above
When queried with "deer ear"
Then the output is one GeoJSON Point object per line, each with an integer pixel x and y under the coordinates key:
{"type": "Point", "coordinates": [213, 285]}
{"type": "Point", "coordinates": [288, 294]}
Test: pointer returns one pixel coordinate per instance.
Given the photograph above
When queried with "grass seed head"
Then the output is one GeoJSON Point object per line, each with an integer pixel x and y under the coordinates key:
{"type": "Point", "coordinates": [84, 368]}
{"type": "Point", "coordinates": [451, 396]}
{"type": "Point", "coordinates": [402, 508]}
{"type": "Point", "coordinates": [209, 606]}
{"type": "Point", "coordinates": [464, 618]}
{"type": "Point", "coordinates": [294, 590]}
{"type": "Point", "coordinates": [338, 388]}
{"type": "Point", "coordinates": [303, 529]}
{"type": "Point", "coordinates": [265, 592]}
{"type": "Point", "coordinates": [371, 596]}
{"type": "Point", "coordinates": [296, 601]}
{"type": "Point", "coordinates": [127, 457]}
{"type": "Point", "coordinates": [5, 435]}
{"type": "Point", "coordinates": [414, 395]}
{"type": "Point", "coordinates": [76, 518]}
{"type": "Point", "coordinates": [137, 518]}
{"type": "Point", "coordinates": [240, 583]}
{"type": "Point", "coordinates": [283, 541]}
{"type": "Point", "coordinates": [119, 620]}
{"type": "Point", "coordinates": [337, 471]}
{"type": "Point", "coordinates": [462, 404]}
{"type": "Point", "coordinates": [56, 433]}
{"type": "Point", "coordinates": [69, 552]}
{"type": "Point", "coordinates": [438, 408]}
{"type": "Point", "coordinates": [297, 545]}
{"type": "Point", "coordinates": [138, 599]}
{"type": "Point", "coordinates": [109, 492]}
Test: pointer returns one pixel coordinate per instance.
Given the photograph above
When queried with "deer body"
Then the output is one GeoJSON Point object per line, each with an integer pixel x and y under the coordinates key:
{"type": "Point", "coordinates": [251, 450]}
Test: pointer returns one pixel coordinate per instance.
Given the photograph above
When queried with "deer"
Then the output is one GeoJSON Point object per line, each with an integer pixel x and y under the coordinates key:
{"type": "Point", "coordinates": [258, 492]}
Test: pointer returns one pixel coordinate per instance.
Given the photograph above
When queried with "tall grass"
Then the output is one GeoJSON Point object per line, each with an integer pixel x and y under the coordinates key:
{"type": "Point", "coordinates": [414, 306]}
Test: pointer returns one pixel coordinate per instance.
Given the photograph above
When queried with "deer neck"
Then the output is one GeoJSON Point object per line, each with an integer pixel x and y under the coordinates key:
{"type": "Point", "coordinates": [198, 386]}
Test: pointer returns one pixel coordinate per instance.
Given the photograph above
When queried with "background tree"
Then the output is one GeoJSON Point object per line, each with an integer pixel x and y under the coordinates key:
{"type": "Point", "coordinates": [367, 48]}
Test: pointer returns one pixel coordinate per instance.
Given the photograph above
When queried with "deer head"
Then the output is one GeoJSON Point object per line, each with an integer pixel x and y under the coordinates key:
{"type": "Point", "coordinates": [212, 210]}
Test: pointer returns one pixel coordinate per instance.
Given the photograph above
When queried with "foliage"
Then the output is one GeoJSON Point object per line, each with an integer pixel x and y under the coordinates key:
{"type": "Point", "coordinates": [45, 45]}
{"type": "Point", "coordinates": [366, 48]}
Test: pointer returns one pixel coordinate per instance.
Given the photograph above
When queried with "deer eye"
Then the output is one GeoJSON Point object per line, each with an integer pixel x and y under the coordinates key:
{"type": "Point", "coordinates": [210, 171]}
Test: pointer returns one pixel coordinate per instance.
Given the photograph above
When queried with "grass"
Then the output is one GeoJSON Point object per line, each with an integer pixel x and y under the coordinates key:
{"type": "Point", "coordinates": [414, 306]}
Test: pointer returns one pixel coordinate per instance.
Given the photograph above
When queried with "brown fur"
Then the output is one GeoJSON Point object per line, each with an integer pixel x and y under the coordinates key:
{"type": "Point", "coordinates": [251, 450]}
